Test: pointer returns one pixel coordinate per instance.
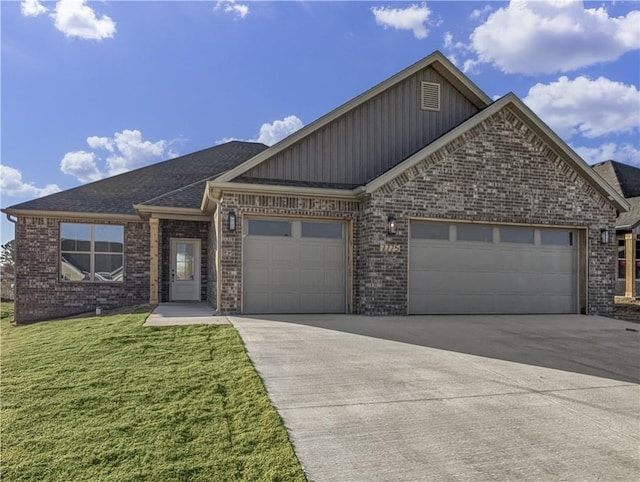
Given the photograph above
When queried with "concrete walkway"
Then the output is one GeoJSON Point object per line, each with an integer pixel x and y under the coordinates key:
{"type": "Point", "coordinates": [454, 398]}
{"type": "Point", "coordinates": [184, 313]}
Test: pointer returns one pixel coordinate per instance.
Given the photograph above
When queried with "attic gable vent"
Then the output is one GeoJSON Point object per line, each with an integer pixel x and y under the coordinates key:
{"type": "Point", "coordinates": [430, 96]}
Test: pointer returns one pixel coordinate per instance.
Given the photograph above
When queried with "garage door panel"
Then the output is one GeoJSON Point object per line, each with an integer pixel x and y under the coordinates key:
{"type": "Point", "coordinates": [492, 277]}
{"type": "Point", "coordinates": [294, 274]}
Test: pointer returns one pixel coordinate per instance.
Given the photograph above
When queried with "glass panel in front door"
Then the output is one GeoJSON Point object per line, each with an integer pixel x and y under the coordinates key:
{"type": "Point", "coordinates": [185, 261]}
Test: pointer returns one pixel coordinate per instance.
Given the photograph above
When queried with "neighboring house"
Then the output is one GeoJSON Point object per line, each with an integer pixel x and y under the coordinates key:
{"type": "Point", "coordinates": [421, 195]}
{"type": "Point", "coordinates": [625, 179]}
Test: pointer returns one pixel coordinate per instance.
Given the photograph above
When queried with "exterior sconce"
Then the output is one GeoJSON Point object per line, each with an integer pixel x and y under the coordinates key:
{"type": "Point", "coordinates": [604, 236]}
{"type": "Point", "coordinates": [232, 222]}
{"type": "Point", "coordinates": [392, 227]}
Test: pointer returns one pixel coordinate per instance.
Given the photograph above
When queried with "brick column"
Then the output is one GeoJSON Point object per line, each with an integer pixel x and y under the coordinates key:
{"type": "Point", "coordinates": [153, 261]}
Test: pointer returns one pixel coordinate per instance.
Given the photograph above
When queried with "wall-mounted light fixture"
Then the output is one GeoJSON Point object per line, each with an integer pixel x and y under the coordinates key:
{"type": "Point", "coordinates": [232, 222]}
{"type": "Point", "coordinates": [604, 236]}
{"type": "Point", "coordinates": [392, 227]}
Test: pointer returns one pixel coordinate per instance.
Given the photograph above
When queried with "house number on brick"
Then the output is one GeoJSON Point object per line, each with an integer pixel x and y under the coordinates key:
{"type": "Point", "coordinates": [389, 248]}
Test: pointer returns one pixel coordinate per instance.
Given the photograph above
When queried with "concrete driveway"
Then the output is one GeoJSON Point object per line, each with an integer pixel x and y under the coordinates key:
{"type": "Point", "coordinates": [454, 397]}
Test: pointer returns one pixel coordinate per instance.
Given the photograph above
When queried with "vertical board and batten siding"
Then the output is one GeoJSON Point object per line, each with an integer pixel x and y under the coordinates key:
{"type": "Point", "coordinates": [371, 138]}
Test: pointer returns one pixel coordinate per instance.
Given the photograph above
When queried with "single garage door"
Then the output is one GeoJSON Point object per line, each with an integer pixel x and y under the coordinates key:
{"type": "Point", "coordinates": [294, 266]}
{"type": "Point", "coordinates": [474, 268]}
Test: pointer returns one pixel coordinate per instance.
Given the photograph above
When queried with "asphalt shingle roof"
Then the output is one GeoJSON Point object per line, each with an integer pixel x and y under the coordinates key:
{"type": "Point", "coordinates": [623, 178]}
{"type": "Point", "coordinates": [626, 180]}
{"type": "Point", "coordinates": [172, 183]}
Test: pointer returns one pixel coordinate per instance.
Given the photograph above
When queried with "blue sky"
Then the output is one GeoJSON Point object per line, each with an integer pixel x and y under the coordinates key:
{"type": "Point", "coordinates": [91, 89]}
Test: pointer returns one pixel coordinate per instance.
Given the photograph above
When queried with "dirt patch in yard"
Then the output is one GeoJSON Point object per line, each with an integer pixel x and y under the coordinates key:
{"type": "Point", "coordinates": [628, 309]}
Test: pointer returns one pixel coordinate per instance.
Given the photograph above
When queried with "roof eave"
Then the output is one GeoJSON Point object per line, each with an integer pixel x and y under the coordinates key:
{"type": "Point", "coordinates": [146, 211]}
{"type": "Point", "coordinates": [69, 214]}
{"type": "Point", "coordinates": [216, 188]}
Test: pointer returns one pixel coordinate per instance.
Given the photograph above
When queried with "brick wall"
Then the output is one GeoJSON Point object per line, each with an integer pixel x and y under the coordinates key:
{"type": "Point", "coordinates": [243, 204]}
{"type": "Point", "coordinates": [499, 172]}
{"type": "Point", "coordinates": [172, 228]}
{"type": "Point", "coordinates": [41, 294]}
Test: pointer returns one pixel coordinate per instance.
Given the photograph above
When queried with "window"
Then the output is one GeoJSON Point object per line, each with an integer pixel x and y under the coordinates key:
{"type": "Point", "coordinates": [321, 230]}
{"type": "Point", "coordinates": [422, 230]}
{"type": "Point", "coordinates": [262, 227]}
{"type": "Point", "coordinates": [91, 252]}
{"type": "Point", "coordinates": [472, 232]}
{"type": "Point", "coordinates": [622, 261]}
{"type": "Point", "coordinates": [556, 237]}
{"type": "Point", "coordinates": [516, 235]}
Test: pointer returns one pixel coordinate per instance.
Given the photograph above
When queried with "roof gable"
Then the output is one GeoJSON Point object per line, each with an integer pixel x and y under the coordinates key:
{"type": "Point", "coordinates": [117, 194]}
{"type": "Point", "coordinates": [512, 102]}
{"type": "Point", "coordinates": [322, 136]}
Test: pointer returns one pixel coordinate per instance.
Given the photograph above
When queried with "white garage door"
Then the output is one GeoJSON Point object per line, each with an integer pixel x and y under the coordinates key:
{"type": "Point", "coordinates": [473, 268]}
{"type": "Point", "coordinates": [294, 266]}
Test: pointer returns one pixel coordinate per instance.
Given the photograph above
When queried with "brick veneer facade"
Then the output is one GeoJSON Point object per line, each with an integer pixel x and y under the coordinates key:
{"type": "Point", "coordinates": [41, 294]}
{"type": "Point", "coordinates": [173, 228]}
{"type": "Point", "coordinates": [498, 172]}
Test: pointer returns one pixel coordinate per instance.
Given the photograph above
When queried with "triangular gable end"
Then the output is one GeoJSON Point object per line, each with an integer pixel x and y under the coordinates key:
{"type": "Point", "coordinates": [400, 174]}
{"type": "Point", "coordinates": [441, 67]}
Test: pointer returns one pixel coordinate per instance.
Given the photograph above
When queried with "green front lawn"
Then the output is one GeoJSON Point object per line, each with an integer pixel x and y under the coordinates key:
{"type": "Point", "coordinates": [104, 398]}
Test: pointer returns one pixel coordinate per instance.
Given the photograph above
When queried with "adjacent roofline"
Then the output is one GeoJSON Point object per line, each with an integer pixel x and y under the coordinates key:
{"type": "Point", "coordinates": [216, 188]}
{"type": "Point", "coordinates": [168, 212]}
{"type": "Point", "coordinates": [535, 123]}
{"type": "Point", "coordinates": [474, 93]}
{"type": "Point", "coordinates": [70, 214]}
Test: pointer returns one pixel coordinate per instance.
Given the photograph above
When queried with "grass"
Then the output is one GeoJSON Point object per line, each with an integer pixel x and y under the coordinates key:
{"type": "Point", "coordinates": [6, 311]}
{"type": "Point", "coordinates": [104, 398]}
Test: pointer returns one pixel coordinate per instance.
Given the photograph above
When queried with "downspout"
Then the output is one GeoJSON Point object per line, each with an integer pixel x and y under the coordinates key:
{"type": "Point", "coordinates": [218, 263]}
{"type": "Point", "coordinates": [15, 256]}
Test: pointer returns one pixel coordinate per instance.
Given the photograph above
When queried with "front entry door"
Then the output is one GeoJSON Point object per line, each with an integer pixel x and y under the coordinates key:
{"type": "Point", "coordinates": [185, 269]}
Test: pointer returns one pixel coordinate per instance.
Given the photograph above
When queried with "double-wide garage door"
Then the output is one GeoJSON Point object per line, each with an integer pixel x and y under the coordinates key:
{"type": "Point", "coordinates": [294, 266]}
{"type": "Point", "coordinates": [474, 268]}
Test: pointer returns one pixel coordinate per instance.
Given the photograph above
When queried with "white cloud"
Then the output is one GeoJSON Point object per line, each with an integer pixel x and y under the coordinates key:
{"type": "Point", "coordinates": [12, 185]}
{"type": "Point", "coordinates": [274, 132]}
{"type": "Point", "coordinates": [279, 129]}
{"type": "Point", "coordinates": [454, 48]}
{"type": "Point", "coordinates": [96, 142]}
{"type": "Point", "coordinates": [534, 37]}
{"type": "Point", "coordinates": [411, 18]}
{"type": "Point", "coordinates": [81, 165]}
{"type": "Point", "coordinates": [76, 19]}
{"type": "Point", "coordinates": [126, 150]}
{"type": "Point", "coordinates": [133, 151]}
{"type": "Point", "coordinates": [480, 12]}
{"type": "Point", "coordinates": [626, 153]}
{"type": "Point", "coordinates": [32, 8]}
{"type": "Point", "coordinates": [590, 108]}
{"type": "Point", "coordinates": [230, 6]}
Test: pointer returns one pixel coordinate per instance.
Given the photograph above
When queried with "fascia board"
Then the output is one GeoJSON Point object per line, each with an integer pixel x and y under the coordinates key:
{"type": "Point", "coordinates": [350, 105]}
{"type": "Point", "coordinates": [70, 214]}
{"type": "Point", "coordinates": [269, 189]}
{"type": "Point", "coordinates": [166, 212]}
